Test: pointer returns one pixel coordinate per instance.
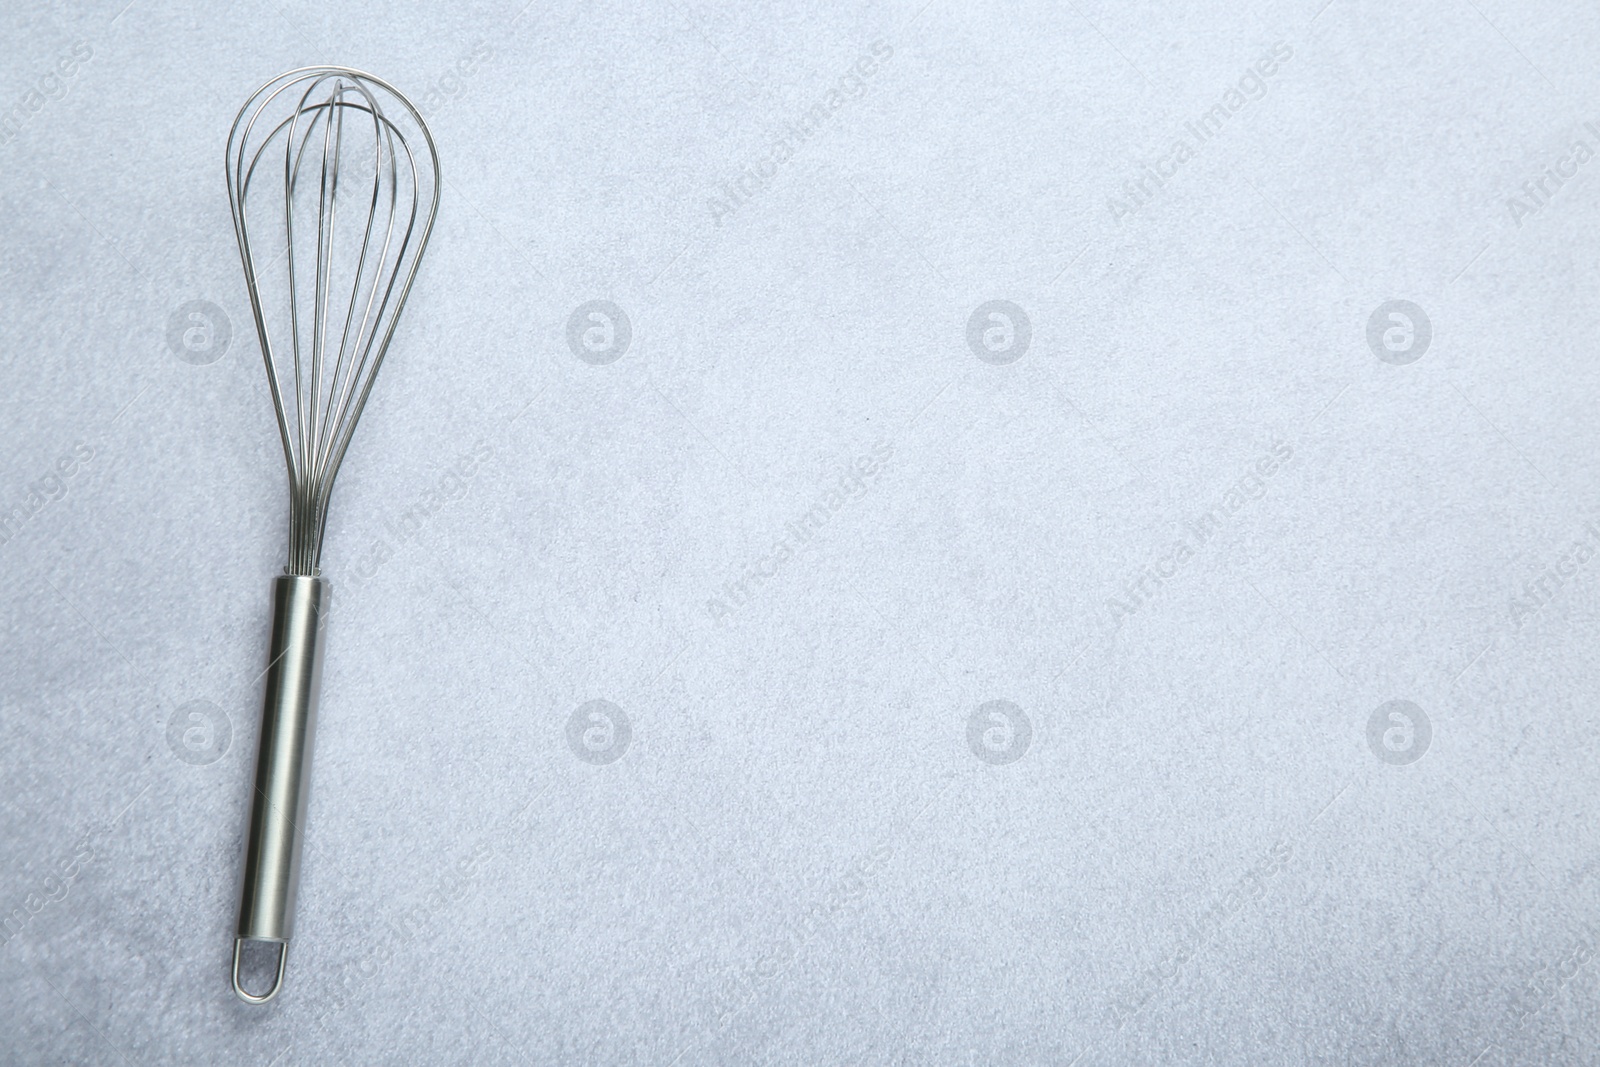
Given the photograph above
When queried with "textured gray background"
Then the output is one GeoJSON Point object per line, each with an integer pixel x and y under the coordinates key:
{"type": "Point", "coordinates": [807, 850]}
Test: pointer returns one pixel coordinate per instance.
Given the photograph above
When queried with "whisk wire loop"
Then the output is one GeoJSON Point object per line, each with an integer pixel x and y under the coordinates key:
{"type": "Point", "coordinates": [343, 291]}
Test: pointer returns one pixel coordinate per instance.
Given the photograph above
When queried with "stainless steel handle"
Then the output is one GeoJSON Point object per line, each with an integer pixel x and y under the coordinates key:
{"type": "Point", "coordinates": [283, 772]}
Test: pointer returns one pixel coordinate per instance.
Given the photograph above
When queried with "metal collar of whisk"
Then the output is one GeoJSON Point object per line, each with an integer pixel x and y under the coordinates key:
{"type": "Point", "coordinates": [353, 207]}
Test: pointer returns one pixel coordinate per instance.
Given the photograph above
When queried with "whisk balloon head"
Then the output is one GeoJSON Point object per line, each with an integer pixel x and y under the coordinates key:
{"type": "Point", "coordinates": [334, 182]}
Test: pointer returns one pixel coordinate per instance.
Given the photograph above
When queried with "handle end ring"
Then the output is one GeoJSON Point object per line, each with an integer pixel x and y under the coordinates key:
{"type": "Point", "coordinates": [277, 983]}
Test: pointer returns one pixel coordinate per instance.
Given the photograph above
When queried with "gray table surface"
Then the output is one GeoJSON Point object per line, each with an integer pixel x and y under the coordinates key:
{"type": "Point", "coordinates": [1190, 659]}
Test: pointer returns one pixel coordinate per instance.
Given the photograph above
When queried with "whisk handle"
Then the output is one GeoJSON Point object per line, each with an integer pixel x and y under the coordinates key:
{"type": "Point", "coordinates": [283, 771]}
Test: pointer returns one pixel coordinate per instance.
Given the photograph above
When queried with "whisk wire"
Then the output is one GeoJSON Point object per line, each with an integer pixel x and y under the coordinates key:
{"type": "Point", "coordinates": [325, 430]}
{"type": "Point", "coordinates": [330, 373]}
{"type": "Point", "coordinates": [353, 403]}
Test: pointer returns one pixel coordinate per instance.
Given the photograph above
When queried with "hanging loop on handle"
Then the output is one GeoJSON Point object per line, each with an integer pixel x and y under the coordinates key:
{"type": "Point", "coordinates": [277, 983]}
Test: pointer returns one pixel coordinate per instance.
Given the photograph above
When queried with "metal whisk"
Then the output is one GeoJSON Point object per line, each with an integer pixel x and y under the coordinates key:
{"type": "Point", "coordinates": [348, 214]}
